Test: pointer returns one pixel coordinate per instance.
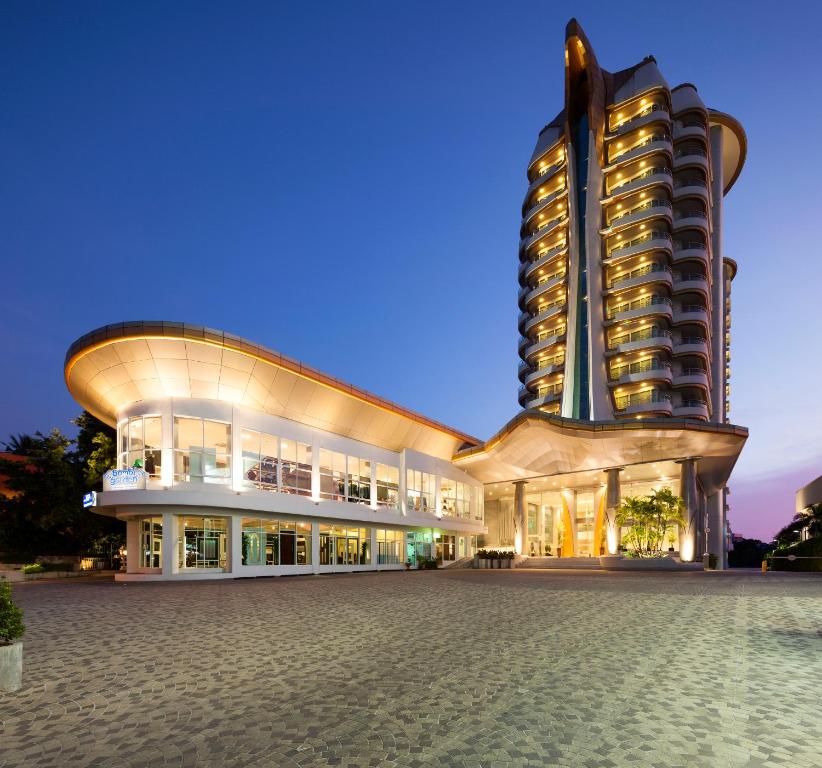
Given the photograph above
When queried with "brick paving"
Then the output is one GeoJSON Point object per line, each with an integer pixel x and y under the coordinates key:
{"type": "Point", "coordinates": [476, 669]}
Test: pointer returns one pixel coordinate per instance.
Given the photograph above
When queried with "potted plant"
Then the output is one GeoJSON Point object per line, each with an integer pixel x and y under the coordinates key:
{"type": "Point", "coordinates": [508, 560]}
{"type": "Point", "coordinates": [11, 649]}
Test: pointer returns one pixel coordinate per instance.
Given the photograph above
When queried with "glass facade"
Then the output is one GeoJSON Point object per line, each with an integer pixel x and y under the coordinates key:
{"type": "Point", "coordinates": [455, 498]}
{"type": "Point", "coordinates": [139, 443]}
{"type": "Point", "coordinates": [274, 464]}
{"type": "Point", "coordinates": [344, 546]}
{"type": "Point", "coordinates": [388, 486]}
{"type": "Point", "coordinates": [276, 542]}
{"type": "Point", "coordinates": [202, 451]}
{"type": "Point", "coordinates": [419, 491]}
{"type": "Point", "coordinates": [203, 543]}
{"type": "Point", "coordinates": [151, 542]}
{"type": "Point", "coordinates": [390, 547]}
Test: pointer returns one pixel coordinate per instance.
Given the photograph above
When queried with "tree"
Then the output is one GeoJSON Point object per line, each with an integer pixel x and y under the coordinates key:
{"type": "Point", "coordinates": [11, 617]}
{"type": "Point", "coordinates": [96, 448]}
{"type": "Point", "coordinates": [650, 519]}
{"type": "Point", "coordinates": [44, 512]}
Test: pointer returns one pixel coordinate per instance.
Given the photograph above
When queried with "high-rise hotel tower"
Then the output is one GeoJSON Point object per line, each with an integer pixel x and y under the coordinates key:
{"type": "Point", "coordinates": [624, 288]}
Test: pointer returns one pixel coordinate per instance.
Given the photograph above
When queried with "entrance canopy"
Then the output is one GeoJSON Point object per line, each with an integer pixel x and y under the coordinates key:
{"type": "Point", "coordinates": [536, 444]}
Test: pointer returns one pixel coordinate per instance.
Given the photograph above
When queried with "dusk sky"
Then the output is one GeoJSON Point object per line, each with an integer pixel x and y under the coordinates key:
{"type": "Point", "coordinates": [342, 182]}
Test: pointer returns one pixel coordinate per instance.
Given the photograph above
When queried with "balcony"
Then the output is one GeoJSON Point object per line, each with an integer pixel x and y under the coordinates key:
{"type": "Point", "coordinates": [691, 409]}
{"type": "Point", "coordinates": [647, 401]}
{"type": "Point", "coordinates": [692, 282]}
{"type": "Point", "coordinates": [544, 174]}
{"type": "Point", "coordinates": [690, 187]}
{"type": "Point", "coordinates": [527, 268]}
{"type": "Point", "coordinates": [545, 228]}
{"type": "Point", "coordinates": [686, 128]}
{"type": "Point", "coordinates": [642, 339]}
{"type": "Point", "coordinates": [690, 156]}
{"type": "Point", "coordinates": [692, 377]}
{"type": "Point", "coordinates": [658, 143]}
{"type": "Point", "coordinates": [650, 369]}
{"type": "Point", "coordinates": [692, 345]}
{"type": "Point", "coordinates": [528, 322]}
{"type": "Point", "coordinates": [691, 219]}
{"type": "Point", "coordinates": [528, 295]}
{"type": "Point", "coordinates": [649, 210]}
{"type": "Point", "coordinates": [530, 400]}
{"type": "Point", "coordinates": [647, 306]}
{"type": "Point", "coordinates": [691, 250]}
{"type": "Point", "coordinates": [644, 275]}
{"type": "Point", "coordinates": [691, 313]}
{"type": "Point", "coordinates": [529, 349]}
{"type": "Point", "coordinates": [555, 365]}
{"type": "Point", "coordinates": [543, 203]}
{"type": "Point", "coordinates": [656, 240]}
{"type": "Point", "coordinates": [652, 114]}
{"type": "Point", "coordinates": [649, 178]}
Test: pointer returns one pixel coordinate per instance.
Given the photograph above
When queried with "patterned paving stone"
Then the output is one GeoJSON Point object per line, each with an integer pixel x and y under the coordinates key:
{"type": "Point", "coordinates": [411, 670]}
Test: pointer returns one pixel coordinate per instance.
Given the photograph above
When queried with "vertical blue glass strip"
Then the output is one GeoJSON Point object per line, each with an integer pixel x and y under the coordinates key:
{"type": "Point", "coordinates": [581, 399]}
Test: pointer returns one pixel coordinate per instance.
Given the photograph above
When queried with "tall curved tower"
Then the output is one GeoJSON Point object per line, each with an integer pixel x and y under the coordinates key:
{"type": "Point", "coordinates": [624, 289]}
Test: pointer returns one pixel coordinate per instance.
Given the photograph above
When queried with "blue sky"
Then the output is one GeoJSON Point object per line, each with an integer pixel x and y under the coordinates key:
{"type": "Point", "coordinates": [342, 182]}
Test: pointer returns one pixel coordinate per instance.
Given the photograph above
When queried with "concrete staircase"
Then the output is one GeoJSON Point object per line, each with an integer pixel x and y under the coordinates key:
{"type": "Point", "coordinates": [558, 563]}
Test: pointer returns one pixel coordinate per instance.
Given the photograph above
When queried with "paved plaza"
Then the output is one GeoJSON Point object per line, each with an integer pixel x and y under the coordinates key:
{"type": "Point", "coordinates": [460, 668]}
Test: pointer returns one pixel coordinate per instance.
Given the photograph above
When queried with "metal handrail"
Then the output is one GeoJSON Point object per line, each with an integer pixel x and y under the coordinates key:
{"type": "Point", "coordinates": [693, 372]}
{"type": "Point", "coordinates": [558, 331]}
{"type": "Point", "coordinates": [644, 238]}
{"type": "Point", "coordinates": [692, 340]}
{"type": "Point", "coordinates": [547, 224]}
{"type": "Point", "coordinates": [643, 113]}
{"type": "Point", "coordinates": [692, 308]}
{"type": "Point", "coordinates": [649, 364]}
{"type": "Point", "coordinates": [647, 269]}
{"type": "Point", "coordinates": [645, 301]}
{"type": "Point", "coordinates": [694, 212]}
{"type": "Point", "coordinates": [692, 403]}
{"type": "Point", "coordinates": [690, 183]}
{"type": "Point", "coordinates": [548, 168]}
{"type": "Point", "coordinates": [640, 398]}
{"type": "Point", "coordinates": [643, 143]}
{"type": "Point", "coordinates": [643, 207]}
{"type": "Point", "coordinates": [680, 246]}
{"type": "Point", "coordinates": [644, 175]}
{"type": "Point", "coordinates": [640, 335]}
{"type": "Point", "coordinates": [545, 307]}
{"type": "Point", "coordinates": [684, 277]}
{"type": "Point", "coordinates": [685, 152]}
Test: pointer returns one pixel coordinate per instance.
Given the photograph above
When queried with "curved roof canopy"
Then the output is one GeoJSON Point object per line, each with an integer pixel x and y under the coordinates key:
{"type": "Point", "coordinates": [535, 444]}
{"type": "Point", "coordinates": [117, 365]}
{"type": "Point", "coordinates": [734, 146]}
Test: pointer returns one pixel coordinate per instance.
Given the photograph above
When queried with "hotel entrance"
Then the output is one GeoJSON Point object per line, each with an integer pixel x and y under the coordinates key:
{"type": "Point", "coordinates": [203, 543]}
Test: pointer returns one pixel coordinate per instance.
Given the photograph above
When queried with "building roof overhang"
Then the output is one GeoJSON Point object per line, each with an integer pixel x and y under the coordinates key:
{"type": "Point", "coordinates": [734, 146]}
{"type": "Point", "coordinates": [120, 364]}
{"type": "Point", "coordinates": [809, 495]}
{"type": "Point", "coordinates": [535, 444]}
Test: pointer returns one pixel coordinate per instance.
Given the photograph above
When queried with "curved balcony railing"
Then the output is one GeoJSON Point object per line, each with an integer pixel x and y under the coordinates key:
{"type": "Point", "coordinates": [625, 154]}
{"type": "Point", "coordinates": [689, 245]}
{"type": "Point", "coordinates": [656, 203]}
{"type": "Point", "coordinates": [694, 182]}
{"type": "Point", "coordinates": [623, 124]}
{"type": "Point", "coordinates": [542, 229]}
{"type": "Point", "coordinates": [643, 334]}
{"type": "Point", "coordinates": [639, 272]}
{"type": "Point", "coordinates": [689, 277]}
{"type": "Point", "coordinates": [645, 301]}
{"type": "Point", "coordinates": [529, 293]}
{"type": "Point", "coordinates": [695, 213]}
{"type": "Point", "coordinates": [646, 397]}
{"type": "Point", "coordinates": [693, 340]}
{"type": "Point", "coordinates": [642, 366]}
{"type": "Point", "coordinates": [644, 238]}
{"type": "Point", "coordinates": [690, 151]}
{"type": "Point", "coordinates": [547, 169]}
{"type": "Point", "coordinates": [660, 170]}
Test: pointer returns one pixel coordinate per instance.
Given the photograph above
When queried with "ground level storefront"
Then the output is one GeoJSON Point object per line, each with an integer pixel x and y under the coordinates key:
{"type": "Point", "coordinates": [178, 544]}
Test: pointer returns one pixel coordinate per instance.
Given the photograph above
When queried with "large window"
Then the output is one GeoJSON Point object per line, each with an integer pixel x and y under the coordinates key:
{"type": "Point", "coordinates": [456, 498]}
{"type": "Point", "coordinates": [151, 542]}
{"type": "Point", "coordinates": [445, 547]}
{"type": "Point", "coordinates": [274, 464]}
{"type": "Point", "coordinates": [344, 546]}
{"type": "Point", "coordinates": [140, 442]}
{"type": "Point", "coordinates": [388, 486]}
{"type": "Point", "coordinates": [359, 480]}
{"type": "Point", "coordinates": [203, 542]}
{"type": "Point", "coordinates": [390, 547]}
{"type": "Point", "coordinates": [420, 491]}
{"type": "Point", "coordinates": [332, 475]}
{"type": "Point", "coordinates": [202, 451]}
{"type": "Point", "coordinates": [276, 542]}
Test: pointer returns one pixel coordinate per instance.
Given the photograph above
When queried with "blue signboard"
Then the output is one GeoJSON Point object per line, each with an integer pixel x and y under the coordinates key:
{"type": "Point", "coordinates": [89, 499]}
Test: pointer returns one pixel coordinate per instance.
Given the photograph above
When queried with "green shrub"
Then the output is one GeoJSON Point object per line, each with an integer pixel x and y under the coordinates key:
{"type": "Point", "coordinates": [810, 548]}
{"type": "Point", "coordinates": [11, 617]}
{"type": "Point", "coordinates": [33, 568]}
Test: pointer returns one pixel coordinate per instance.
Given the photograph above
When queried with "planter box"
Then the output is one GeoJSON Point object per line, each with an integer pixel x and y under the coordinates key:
{"type": "Point", "coordinates": [11, 667]}
{"type": "Point", "coordinates": [620, 563]}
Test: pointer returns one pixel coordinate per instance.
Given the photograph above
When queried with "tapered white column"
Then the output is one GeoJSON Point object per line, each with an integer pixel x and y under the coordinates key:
{"type": "Point", "coordinates": [688, 493]}
{"type": "Point", "coordinates": [716, 524]}
{"type": "Point", "coordinates": [613, 496]}
{"type": "Point", "coordinates": [520, 517]}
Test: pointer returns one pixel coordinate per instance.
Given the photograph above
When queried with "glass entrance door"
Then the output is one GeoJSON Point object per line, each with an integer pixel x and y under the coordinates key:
{"type": "Point", "coordinates": [585, 524]}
